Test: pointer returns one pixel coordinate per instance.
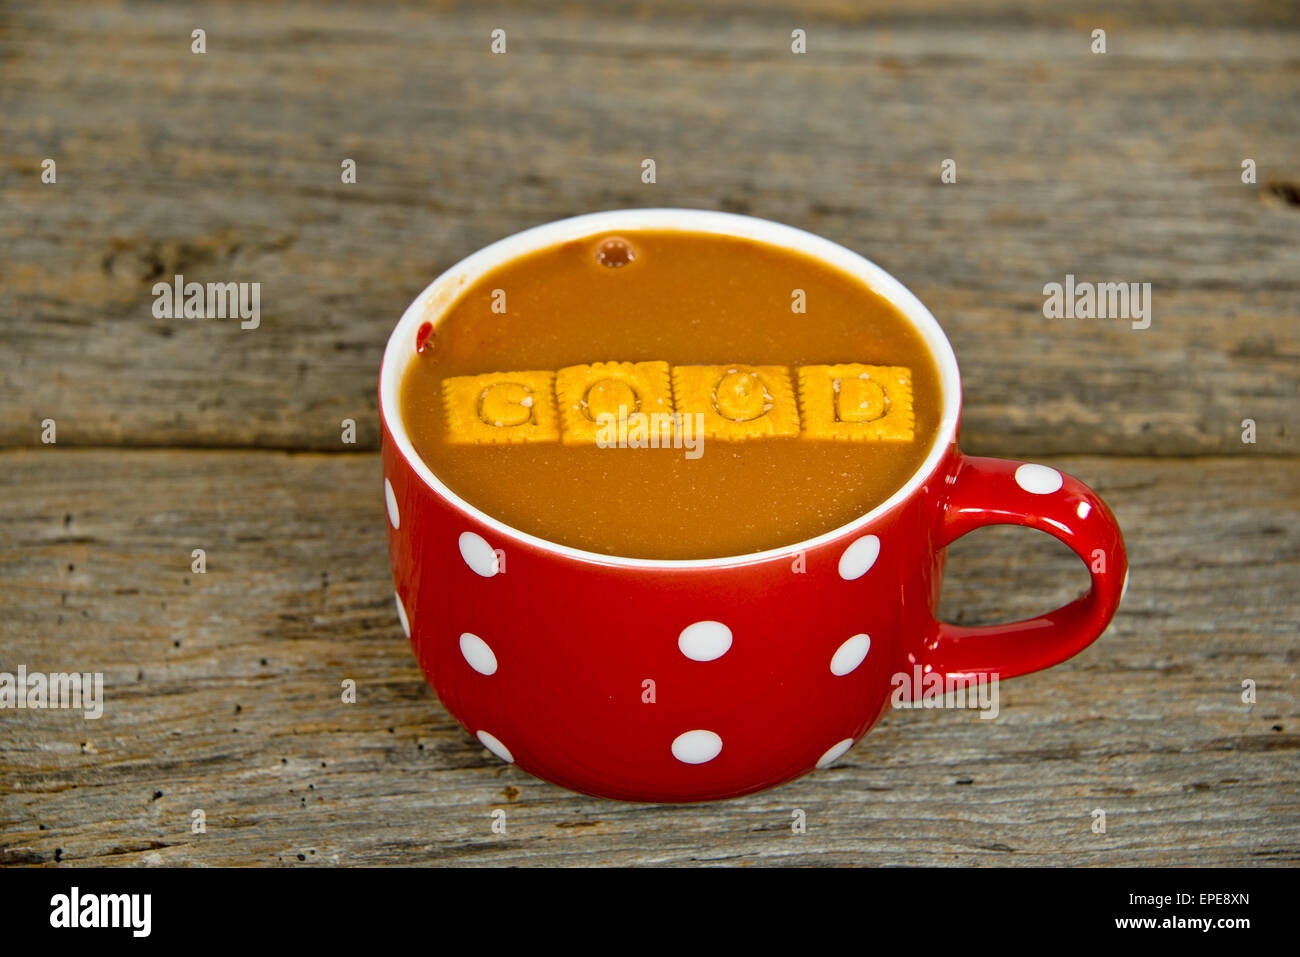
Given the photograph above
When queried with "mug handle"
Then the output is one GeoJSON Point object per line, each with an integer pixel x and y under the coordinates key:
{"type": "Point", "coordinates": [986, 491]}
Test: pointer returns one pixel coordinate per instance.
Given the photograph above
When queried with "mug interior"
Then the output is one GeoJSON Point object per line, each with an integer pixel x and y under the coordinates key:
{"type": "Point", "coordinates": [435, 301]}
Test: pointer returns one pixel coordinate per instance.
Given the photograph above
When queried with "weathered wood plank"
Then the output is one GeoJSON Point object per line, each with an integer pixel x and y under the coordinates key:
{"type": "Point", "coordinates": [222, 691]}
{"type": "Point", "coordinates": [225, 167]}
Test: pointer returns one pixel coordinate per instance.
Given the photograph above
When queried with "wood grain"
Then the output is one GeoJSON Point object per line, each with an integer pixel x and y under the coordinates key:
{"type": "Point", "coordinates": [226, 167]}
{"type": "Point", "coordinates": [223, 691]}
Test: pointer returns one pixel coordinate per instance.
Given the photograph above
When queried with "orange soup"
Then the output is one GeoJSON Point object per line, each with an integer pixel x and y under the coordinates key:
{"type": "Point", "coordinates": [672, 395]}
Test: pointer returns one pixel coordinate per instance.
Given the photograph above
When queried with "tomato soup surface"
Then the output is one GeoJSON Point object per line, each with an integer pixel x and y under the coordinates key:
{"type": "Point", "coordinates": [685, 299]}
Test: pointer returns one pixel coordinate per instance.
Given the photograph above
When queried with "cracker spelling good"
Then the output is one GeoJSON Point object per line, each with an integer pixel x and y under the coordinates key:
{"type": "Point", "coordinates": [577, 404]}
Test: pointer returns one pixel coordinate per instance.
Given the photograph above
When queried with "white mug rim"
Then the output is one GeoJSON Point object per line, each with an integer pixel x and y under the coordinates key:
{"type": "Point", "coordinates": [445, 290]}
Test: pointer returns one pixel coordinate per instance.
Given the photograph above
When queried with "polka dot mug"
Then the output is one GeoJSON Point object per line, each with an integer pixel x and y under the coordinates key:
{"type": "Point", "coordinates": [695, 680]}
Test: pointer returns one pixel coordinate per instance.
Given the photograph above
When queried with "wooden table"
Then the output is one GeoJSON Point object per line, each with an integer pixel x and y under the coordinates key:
{"type": "Point", "coordinates": [222, 688]}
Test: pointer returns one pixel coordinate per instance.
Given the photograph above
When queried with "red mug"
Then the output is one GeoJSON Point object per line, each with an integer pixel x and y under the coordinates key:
{"type": "Point", "coordinates": [693, 680]}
